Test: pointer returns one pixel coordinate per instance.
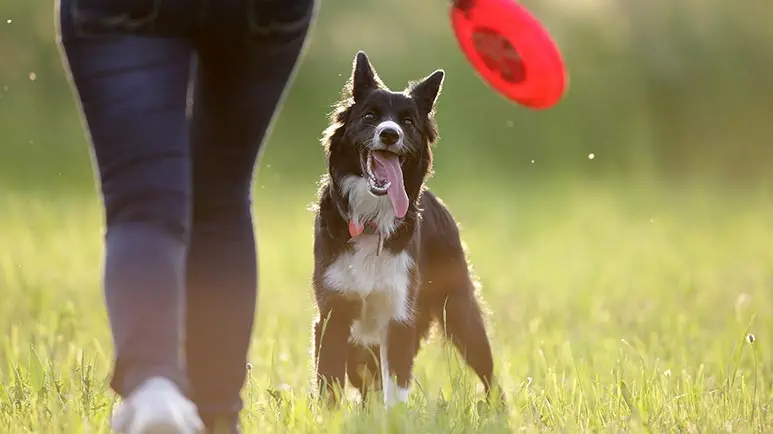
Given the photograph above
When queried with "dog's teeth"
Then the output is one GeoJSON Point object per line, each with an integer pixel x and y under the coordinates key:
{"type": "Point", "coordinates": [369, 168]}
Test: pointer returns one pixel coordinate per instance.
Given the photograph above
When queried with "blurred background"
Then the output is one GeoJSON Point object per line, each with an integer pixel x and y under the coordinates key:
{"type": "Point", "coordinates": [659, 91]}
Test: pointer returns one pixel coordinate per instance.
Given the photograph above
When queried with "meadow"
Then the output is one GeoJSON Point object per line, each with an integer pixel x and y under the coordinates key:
{"type": "Point", "coordinates": [639, 308]}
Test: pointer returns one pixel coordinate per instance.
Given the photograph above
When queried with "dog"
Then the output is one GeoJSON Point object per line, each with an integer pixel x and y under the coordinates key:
{"type": "Point", "coordinates": [388, 258]}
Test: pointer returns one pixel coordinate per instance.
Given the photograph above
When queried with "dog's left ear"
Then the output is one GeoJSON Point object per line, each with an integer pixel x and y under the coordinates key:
{"type": "Point", "coordinates": [364, 78]}
{"type": "Point", "coordinates": [426, 91]}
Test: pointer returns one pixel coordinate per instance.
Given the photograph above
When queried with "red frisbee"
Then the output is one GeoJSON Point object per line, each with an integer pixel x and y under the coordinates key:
{"type": "Point", "coordinates": [511, 50]}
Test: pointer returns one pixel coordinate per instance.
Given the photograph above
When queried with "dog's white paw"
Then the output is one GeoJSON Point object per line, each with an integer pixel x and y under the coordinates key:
{"type": "Point", "coordinates": [157, 407]}
{"type": "Point", "coordinates": [394, 394]}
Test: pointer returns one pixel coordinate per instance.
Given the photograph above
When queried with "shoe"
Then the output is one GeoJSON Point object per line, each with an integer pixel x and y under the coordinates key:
{"type": "Point", "coordinates": [157, 406]}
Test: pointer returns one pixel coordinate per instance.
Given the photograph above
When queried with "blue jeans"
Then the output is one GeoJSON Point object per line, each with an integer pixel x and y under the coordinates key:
{"type": "Point", "coordinates": [180, 273]}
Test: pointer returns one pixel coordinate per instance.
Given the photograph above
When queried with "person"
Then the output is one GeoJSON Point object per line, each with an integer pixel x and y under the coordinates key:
{"type": "Point", "coordinates": [180, 272]}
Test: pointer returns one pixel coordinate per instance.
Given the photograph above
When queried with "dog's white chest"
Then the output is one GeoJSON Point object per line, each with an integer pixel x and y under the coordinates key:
{"type": "Point", "coordinates": [381, 282]}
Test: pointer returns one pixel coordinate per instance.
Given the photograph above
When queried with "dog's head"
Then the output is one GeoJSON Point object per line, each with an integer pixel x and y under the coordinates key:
{"type": "Point", "coordinates": [379, 141]}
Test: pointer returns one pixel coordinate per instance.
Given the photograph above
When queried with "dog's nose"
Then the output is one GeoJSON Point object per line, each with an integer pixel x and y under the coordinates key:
{"type": "Point", "coordinates": [389, 136]}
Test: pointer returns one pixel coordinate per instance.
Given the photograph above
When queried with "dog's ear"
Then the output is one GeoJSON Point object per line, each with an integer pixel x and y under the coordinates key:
{"type": "Point", "coordinates": [425, 94]}
{"type": "Point", "coordinates": [426, 91]}
{"type": "Point", "coordinates": [364, 78]}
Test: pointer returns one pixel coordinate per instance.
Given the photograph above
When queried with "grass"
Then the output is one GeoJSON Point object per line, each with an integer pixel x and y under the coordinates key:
{"type": "Point", "coordinates": [611, 309]}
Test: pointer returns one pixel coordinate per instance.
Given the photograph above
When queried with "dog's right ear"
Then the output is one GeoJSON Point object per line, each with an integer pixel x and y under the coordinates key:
{"type": "Point", "coordinates": [426, 91]}
{"type": "Point", "coordinates": [364, 79]}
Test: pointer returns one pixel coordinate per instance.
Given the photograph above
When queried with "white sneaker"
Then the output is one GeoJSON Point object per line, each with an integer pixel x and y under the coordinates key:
{"type": "Point", "coordinates": [157, 407]}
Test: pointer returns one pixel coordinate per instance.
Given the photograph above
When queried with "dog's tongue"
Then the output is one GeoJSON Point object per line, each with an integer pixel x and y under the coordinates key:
{"type": "Point", "coordinates": [388, 167]}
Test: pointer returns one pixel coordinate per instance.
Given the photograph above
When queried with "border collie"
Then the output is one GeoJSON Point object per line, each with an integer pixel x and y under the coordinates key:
{"type": "Point", "coordinates": [388, 259]}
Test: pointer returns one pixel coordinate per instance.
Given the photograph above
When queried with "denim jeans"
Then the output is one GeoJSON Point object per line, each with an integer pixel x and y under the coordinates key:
{"type": "Point", "coordinates": [177, 96]}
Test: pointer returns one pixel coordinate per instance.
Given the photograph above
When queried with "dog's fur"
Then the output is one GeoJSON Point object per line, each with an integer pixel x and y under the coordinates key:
{"type": "Point", "coordinates": [375, 307]}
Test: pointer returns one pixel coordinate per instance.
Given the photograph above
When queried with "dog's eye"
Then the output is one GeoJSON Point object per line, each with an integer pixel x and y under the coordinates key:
{"type": "Point", "coordinates": [369, 116]}
{"type": "Point", "coordinates": [408, 121]}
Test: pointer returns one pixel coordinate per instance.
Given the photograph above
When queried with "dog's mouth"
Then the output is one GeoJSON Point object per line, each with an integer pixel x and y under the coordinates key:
{"type": "Point", "coordinates": [384, 174]}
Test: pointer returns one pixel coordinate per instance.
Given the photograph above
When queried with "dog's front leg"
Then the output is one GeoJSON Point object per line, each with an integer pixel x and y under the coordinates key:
{"type": "Point", "coordinates": [331, 338]}
{"type": "Point", "coordinates": [397, 354]}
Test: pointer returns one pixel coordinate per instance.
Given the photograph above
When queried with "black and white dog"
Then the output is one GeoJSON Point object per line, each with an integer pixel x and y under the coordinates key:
{"type": "Point", "coordinates": [388, 259]}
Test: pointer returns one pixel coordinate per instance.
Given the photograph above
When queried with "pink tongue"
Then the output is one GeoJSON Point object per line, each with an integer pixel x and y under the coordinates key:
{"type": "Point", "coordinates": [388, 167]}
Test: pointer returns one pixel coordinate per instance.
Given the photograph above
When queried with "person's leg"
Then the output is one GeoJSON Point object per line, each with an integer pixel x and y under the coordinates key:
{"type": "Point", "coordinates": [240, 84]}
{"type": "Point", "coordinates": [132, 92]}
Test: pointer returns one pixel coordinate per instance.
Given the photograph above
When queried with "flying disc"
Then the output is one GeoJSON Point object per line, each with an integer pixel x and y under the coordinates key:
{"type": "Point", "coordinates": [510, 50]}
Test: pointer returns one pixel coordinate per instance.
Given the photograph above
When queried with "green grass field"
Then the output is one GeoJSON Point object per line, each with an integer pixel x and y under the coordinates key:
{"type": "Point", "coordinates": [611, 309]}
